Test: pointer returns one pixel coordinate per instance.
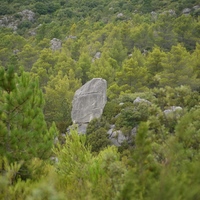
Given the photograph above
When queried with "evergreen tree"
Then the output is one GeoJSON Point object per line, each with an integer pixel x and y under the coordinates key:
{"type": "Point", "coordinates": [177, 69]}
{"type": "Point", "coordinates": [23, 131]}
{"type": "Point", "coordinates": [59, 93]}
{"type": "Point", "coordinates": [154, 65]}
{"type": "Point", "coordinates": [133, 74]}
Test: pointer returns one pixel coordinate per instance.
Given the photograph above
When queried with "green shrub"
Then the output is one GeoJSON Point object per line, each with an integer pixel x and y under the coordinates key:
{"type": "Point", "coordinates": [98, 140]}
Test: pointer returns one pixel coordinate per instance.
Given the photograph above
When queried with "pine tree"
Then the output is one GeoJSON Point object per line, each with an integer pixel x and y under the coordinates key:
{"type": "Point", "coordinates": [178, 69]}
{"type": "Point", "coordinates": [133, 74]}
{"type": "Point", "coordinates": [23, 131]}
{"type": "Point", "coordinates": [59, 93]}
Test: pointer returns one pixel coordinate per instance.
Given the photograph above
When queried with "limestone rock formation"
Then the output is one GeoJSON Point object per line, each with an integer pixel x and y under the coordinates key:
{"type": "Point", "coordinates": [96, 56]}
{"type": "Point", "coordinates": [89, 101]}
{"type": "Point", "coordinates": [56, 44]}
{"type": "Point", "coordinates": [186, 11]}
{"type": "Point", "coordinates": [140, 100]}
{"type": "Point", "coordinates": [27, 15]}
{"type": "Point", "coordinates": [173, 109]}
{"type": "Point", "coordinates": [120, 15]}
{"type": "Point", "coordinates": [13, 23]}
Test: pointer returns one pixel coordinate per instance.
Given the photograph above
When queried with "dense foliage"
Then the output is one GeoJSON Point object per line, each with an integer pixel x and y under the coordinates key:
{"type": "Point", "coordinates": [143, 48]}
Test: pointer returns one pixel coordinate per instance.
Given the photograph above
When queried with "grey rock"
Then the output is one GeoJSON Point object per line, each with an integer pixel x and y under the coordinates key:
{"type": "Point", "coordinates": [12, 23]}
{"type": "Point", "coordinates": [120, 15]}
{"type": "Point", "coordinates": [9, 22]}
{"type": "Point", "coordinates": [134, 131]}
{"type": "Point", "coordinates": [154, 15]}
{"type": "Point", "coordinates": [15, 51]}
{"type": "Point", "coordinates": [140, 100]}
{"type": "Point", "coordinates": [130, 55]}
{"type": "Point", "coordinates": [27, 15]}
{"type": "Point", "coordinates": [196, 7]}
{"type": "Point", "coordinates": [82, 128]}
{"type": "Point", "coordinates": [89, 101]}
{"type": "Point", "coordinates": [56, 44]}
{"type": "Point", "coordinates": [186, 11]}
{"type": "Point", "coordinates": [172, 12]}
{"type": "Point", "coordinates": [117, 137]}
{"type": "Point", "coordinates": [71, 37]}
{"type": "Point", "coordinates": [33, 32]}
{"type": "Point", "coordinates": [96, 56]}
{"type": "Point", "coordinates": [172, 109]}
{"type": "Point", "coordinates": [169, 12]}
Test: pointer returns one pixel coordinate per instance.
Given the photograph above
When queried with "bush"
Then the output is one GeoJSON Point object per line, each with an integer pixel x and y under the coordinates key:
{"type": "Point", "coordinates": [96, 124]}
{"type": "Point", "coordinates": [98, 140]}
{"type": "Point", "coordinates": [131, 116]}
{"type": "Point", "coordinates": [25, 24]}
{"type": "Point", "coordinates": [111, 109]}
{"type": "Point", "coordinates": [41, 8]}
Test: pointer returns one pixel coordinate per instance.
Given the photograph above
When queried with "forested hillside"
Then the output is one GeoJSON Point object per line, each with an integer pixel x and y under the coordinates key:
{"type": "Point", "coordinates": [144, 49]}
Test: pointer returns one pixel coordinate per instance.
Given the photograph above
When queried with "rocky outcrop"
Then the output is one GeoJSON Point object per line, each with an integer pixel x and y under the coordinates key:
{"type": "Point", "coordinates": [70, 37]}
{"type": "Point", "coordinates": [172, 109]}
{"type": "Point", "coordinates": [56, 44]}
{"type": "Point", "coordinates": [140, 100]}
{"type": "Point", "coordinates": [9, 22]}
{"type": "Point", "coordinates": [27, 15]}
{"type": "Point", "coordinates": [96, 56]}
{"type": "Point", "coordinates": [117, 137]}
{"type": "Point", "coordinates": [89, 101]}
{"type": "Point", "coordinates": [120, 15]}
{"type": "Point", "coordinates": [13, 22]}
{"type": "Point", "coordinates": [186, 11]}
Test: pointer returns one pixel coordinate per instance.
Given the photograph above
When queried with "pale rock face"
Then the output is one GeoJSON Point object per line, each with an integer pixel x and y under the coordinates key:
{"type": "Point", "coordinates": [120, 15]}
{"type": "Point", "coordinates": [172, 109]}
{"type": "Point", "coordinates": [12, 23]}
{"type": "Point", "coordinates": [96, 56]}
{"type": "Point", "coordinates": [186, 11]}
{"type": "Point", "coordinates": [56, 44]}
{"type": "Point", "coordinates": [89, 101]}
{"type": "Point", "coordinates": [140, 100]}
{"type": "Point", "coordinates": [28, 15]}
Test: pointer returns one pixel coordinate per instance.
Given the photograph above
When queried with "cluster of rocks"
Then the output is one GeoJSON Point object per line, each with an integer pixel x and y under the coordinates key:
{"type": "Point", "coordinates": [117, 137]}
{"type": "Point", "coordinates": [56, 44]}
{"type": "Point", "coordinates": [88, 103]}
{"type": "Point", "coordinates": [187, 11]}
{"type": "Point", "coordinates": [13, 22]}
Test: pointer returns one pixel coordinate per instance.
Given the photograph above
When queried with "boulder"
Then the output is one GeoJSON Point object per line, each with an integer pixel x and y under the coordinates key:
{"type": "Point", "coordinates": [154, 15]}
{"type": "Point", "coordinates": [120, 15]}
{"type": "Point", "coordinates": [140, 100]}
{"type": "Point", "coordinates": [186, 11]}
{"type": "Point", "coordinates": [56, 44]}
{"type": "Point", "coordinates": [27, 15]}
{"type": "Point", "coordinates": [71, 37]}
{"type": "Point", "coordinates": [169, 12]}
{"type": "Point", "coordinates": [96, 56]}
{"type": "Point", "coordinates": [172, 109]}
{"type": "Point", "coordinates": [196, 7]}
{"type": "Point", "coordinates": [116, 137]}
{"type": "Point", "coordinates": [89, 101]}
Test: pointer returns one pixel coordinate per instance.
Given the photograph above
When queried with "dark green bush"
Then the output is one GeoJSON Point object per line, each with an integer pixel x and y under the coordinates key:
{"type": "Point", "coordinates": [24, 24]}
{"type": "Point", "coordinates": [41, 8]}
{"type": "Point", "coordinates": [98, 140]}
{"type": "Point", "coordinates": [111, 109]}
